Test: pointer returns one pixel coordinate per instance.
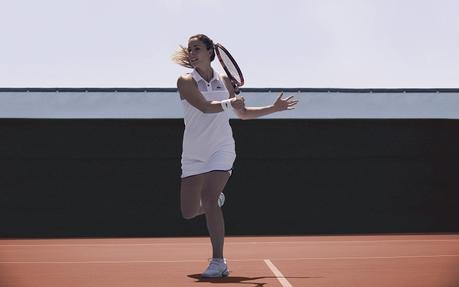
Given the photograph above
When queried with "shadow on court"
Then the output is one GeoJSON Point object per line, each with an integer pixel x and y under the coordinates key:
{"type": "Point", "coordinates": [239, 280]}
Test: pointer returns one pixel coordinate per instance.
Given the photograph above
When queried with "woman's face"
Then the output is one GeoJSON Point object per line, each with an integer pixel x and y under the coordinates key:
{"type": "Point", "coordinates": [198, 54]}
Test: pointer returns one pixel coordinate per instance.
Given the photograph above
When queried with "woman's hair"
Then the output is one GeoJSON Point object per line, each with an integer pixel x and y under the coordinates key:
{"type": "Point", "coordinates": [181, 56]}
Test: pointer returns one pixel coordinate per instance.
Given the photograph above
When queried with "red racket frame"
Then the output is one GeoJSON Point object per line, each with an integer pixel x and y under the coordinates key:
{"type": "Point", "coordinates": [235, 83]}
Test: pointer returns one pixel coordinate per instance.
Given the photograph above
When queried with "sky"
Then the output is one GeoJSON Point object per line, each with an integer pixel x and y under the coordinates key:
{"type": "Point", "coordinates": [290, 43]}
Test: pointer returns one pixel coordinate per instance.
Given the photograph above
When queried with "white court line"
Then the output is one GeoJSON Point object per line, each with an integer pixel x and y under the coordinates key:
{"type": "Point", "coordinates": [229, 259]}
{"type": "Point", "coordinates": [284, 282]}
{"type": "Point", "coordinates": [227, 243]}
{"type": "Point", "coordinates": [367, 257]}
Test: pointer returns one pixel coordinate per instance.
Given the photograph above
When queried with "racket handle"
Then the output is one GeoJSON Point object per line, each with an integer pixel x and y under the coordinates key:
{"type": "Point", "coordinates": [236, 90]}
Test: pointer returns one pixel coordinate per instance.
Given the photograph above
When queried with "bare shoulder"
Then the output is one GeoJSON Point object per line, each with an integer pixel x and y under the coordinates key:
{"type": "Point", "coordinates": [187, 86]}
{"type": "Point", "coordinates": [184, 80]}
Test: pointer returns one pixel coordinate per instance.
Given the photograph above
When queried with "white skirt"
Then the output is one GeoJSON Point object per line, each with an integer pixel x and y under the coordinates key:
{"type": "Point", "coordinates": [220, 160]}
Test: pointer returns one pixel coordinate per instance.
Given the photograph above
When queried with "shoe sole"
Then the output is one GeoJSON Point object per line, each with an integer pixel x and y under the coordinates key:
{"type": "Point", "coordinates": [224, 274]}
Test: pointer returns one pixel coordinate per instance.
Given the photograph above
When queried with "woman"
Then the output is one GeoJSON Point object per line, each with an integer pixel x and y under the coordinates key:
{"type": "Point", "coordinates": [208, 144]}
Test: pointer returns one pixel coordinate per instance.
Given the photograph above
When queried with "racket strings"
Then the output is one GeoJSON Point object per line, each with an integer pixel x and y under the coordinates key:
{"type": "Point", "coordinates": [233, 71]}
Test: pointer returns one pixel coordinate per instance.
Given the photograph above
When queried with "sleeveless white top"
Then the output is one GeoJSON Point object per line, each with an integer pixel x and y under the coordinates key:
{"type": "Point", "coordinates": [206, 134]}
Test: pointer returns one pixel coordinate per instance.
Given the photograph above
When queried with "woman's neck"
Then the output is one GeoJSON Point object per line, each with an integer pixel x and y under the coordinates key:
{"type": "Point", "coordinates": [206, 73]}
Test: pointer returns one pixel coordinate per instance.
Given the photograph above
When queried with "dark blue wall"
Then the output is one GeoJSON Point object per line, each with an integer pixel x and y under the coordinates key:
{"type": "Point", "coordinates": [62, 178]}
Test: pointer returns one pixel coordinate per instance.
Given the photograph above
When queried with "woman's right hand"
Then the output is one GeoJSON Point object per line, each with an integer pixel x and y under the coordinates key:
{"type": "Point", "coordinates": [238, 103]}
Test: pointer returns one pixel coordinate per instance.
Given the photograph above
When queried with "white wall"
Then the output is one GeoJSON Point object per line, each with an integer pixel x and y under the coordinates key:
{"type": "Point", "coordinates": [127, 104]}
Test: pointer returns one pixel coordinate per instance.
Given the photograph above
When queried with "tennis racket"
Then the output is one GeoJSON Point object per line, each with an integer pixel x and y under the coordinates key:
{"type": "Point", "coordinates": [230, 66]}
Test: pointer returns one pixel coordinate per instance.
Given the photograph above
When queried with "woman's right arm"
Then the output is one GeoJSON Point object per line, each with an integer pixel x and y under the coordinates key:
{"type": "Point", "coordinates": [189, 91]}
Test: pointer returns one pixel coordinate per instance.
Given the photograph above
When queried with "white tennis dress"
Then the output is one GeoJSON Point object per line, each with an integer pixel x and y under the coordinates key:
{"type": "Point", "coordinates": [208, 142]}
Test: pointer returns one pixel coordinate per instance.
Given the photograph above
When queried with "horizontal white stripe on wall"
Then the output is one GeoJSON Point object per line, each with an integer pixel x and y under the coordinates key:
{"type": "Point", "coordinates": [166, 104]}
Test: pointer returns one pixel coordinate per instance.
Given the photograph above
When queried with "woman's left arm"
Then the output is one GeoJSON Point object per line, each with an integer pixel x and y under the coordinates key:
{"type": "Point", "coordinates": [279, 104]}
{"type": "Point", "coordinates": [248, 113]}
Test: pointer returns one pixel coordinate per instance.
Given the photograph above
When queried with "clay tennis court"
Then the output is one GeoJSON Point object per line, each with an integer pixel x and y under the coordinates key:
{"type": "Point", "coordinates": [319, 261]}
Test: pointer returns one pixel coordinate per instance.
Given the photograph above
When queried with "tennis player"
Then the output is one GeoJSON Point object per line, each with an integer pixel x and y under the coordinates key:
{"type": "Point", "coordinates": [208, 145]}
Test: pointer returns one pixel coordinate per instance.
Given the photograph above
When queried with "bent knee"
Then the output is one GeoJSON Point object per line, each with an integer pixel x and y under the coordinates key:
{"type": "Point", "coordinates": [188, 216]}
{"type": "Point", "coordinates": [189, 213]}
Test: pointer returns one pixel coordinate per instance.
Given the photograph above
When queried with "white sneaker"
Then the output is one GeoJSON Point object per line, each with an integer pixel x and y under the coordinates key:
{"type": "Point", "coordinates": [217, 268]}
{"type": "Point", "coordinates": [221, 200]}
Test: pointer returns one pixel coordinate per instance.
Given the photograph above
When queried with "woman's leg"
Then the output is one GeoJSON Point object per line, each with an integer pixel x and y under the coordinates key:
{"type": "Point", "coordinates": [190, 196]}
{"type": "Point", "coordinates": [213, 184]}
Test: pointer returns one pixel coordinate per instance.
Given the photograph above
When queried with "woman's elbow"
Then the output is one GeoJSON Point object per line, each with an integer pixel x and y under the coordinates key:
{"type": "Point", "coordinates": [243, 115]}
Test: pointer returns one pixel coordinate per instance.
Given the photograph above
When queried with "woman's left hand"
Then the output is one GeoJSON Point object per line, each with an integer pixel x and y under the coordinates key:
{"type": "Point", "coordinates": [284, 104]}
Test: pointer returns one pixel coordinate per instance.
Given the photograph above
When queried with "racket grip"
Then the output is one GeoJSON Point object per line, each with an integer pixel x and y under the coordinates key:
{"type": "Point", "coordinates": [236, 90]}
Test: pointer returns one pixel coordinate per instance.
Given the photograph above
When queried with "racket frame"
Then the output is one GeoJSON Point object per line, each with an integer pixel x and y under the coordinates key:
{"type": "Point", "coordinates": [235, 83]}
